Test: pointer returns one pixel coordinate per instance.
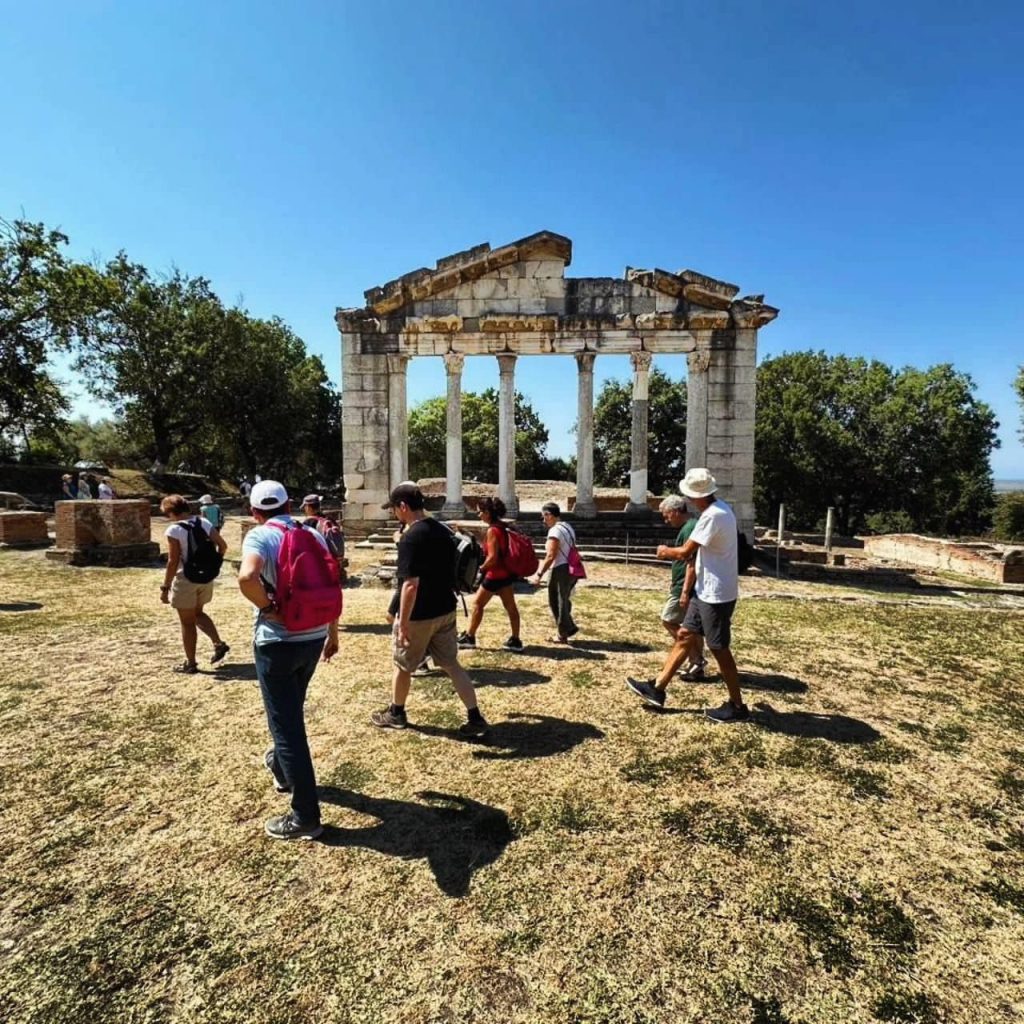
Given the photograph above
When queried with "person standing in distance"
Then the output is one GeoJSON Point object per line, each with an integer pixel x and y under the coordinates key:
{"type": "Point", "coordinates": [426, 612]}
{"type": "Point", "coordinates": [714, 541]}
{"type": "Point", "coordinates": [285, 663]}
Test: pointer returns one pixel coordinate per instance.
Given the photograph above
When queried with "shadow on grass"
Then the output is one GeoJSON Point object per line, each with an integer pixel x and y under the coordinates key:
{"type": "Point", "coordinates": [21, 606]}
{"type": "Point", "coordinates": [806, 724]}
{"type": "Point", "coordinates": [563, 652]}
{"type": "Point", "coordinates": [523, 736]}
{"type": "Point", "coordinates": [510, 676]}
{"type": "Point", "coordinates": [376, 628]}
{"type": "Point", "coordinates": [242, 671]}
{"type": "Point", "coordinates": [774, 683]}
{"type": "Point", "coordinates": [618, 646]}
{"type": "Point", "coordinates": [454, 834]}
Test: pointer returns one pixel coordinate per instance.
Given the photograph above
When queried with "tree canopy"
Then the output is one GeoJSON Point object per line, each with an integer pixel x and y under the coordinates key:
{"type": "Point", "coordinates": [428, 433]}
{"type": "Point", "coordinates": [885, 447]}
{"type": "Point", "coordinates": [666, 432]}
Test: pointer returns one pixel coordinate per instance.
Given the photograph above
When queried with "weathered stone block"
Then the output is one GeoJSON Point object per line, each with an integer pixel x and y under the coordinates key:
{"type": "Point", "coordinates": [104, 532]}
{"type": "Point", "coordinates": [23, 530]}
{"type": "Point", "coordinates": [543, 268]}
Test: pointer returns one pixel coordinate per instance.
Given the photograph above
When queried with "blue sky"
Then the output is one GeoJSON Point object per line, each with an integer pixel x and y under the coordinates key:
{"type": "Point", "coordinates": [859, 164]}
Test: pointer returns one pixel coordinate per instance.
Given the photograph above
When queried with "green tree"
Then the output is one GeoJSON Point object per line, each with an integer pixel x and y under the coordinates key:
{"type": "Point", "coordinates": [38, 286]}
{"type": "Point", "coordinates": [101, 440]}
{"type": "Point", "coordinates": [666, 432]}
{"type": "Point", "coordinates": [876, 443]}
{"type": "Point", "coordinates": [428, 432]}
{"type": "Point", "coordinates": [272, 409]}
{"type": "Point", "coordinates": [149, 348]}
{"type": "Point", "coordinates": [1018, 386]}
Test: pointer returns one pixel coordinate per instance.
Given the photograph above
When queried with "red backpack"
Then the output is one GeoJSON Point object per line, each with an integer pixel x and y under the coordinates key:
{"type": "Point", "coordinates": [307, 591]}
{"type": "Point", "coordinates": [520, 558]}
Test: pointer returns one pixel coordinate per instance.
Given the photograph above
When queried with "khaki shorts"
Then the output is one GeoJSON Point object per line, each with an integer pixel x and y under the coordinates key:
{"type": "Point", "coordinates": [435, 637]}
{"type": "Point", "coordinates": [186, 594]}
{"type": "Point", "coordinates": [673, 612]}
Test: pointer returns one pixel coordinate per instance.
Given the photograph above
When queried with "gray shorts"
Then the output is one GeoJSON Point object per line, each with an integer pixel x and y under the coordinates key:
{"type": "Point", "coordinates": [673, 612]}
{"type": "Point", "coordinates": [711, 621]}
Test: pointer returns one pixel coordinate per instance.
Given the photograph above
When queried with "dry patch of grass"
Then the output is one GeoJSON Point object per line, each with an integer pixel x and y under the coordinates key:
{"type": "Point", "coordinates": [856, 853]}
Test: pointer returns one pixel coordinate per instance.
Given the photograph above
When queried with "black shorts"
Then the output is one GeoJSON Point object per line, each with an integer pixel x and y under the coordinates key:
{"type": "Point", "coordinates": [493, 586]}
{"type": "Point", "coordinates": [712, 621]}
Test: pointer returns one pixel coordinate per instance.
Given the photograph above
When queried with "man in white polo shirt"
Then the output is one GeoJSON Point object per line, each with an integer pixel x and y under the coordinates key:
{"type": "Point", "coordinates": [714, 542]}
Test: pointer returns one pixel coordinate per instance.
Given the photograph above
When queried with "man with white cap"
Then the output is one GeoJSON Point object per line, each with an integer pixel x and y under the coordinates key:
{"type": "Point", "coordinates": [714, 542]}
{"type": "Point", "coordinates": [285, 661]}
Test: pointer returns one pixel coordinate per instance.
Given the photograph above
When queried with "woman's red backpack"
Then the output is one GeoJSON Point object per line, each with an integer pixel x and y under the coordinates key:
{"type": "Point", "coordinates": [307, 591]}
{"type": "Point", "coordinates": [520, 558]}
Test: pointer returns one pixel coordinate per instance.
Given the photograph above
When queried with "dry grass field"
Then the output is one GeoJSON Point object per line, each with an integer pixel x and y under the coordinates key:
{"type": "Point", "coordinates": [856, 853]}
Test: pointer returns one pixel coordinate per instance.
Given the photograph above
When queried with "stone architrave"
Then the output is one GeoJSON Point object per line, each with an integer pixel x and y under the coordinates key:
{"type": "Point", "coordinates": [637, 504]}
{"type": "Point", "coordinates": [398, 417]}
{"type": "Point", "coordinates": [516, 300]}
{"type": "Point", "coordinates": [585, 507]}
{"type": "Point", "coordinates": [453, 505]}
{"type": "Point", "coordinates": [507, 434]}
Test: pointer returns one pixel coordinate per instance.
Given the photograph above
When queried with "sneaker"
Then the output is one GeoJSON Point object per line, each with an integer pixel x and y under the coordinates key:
{"type": "Point", "coordinates": [694, 673]}
{"type": "Point", "coordinates": [728, 712]}
{"type": "Point", "coordinates": [474, 730]}
{"type": "Point", "coordinates": [386, 720]}
{"type": "Point", "coordinates": [219, 650]}
{"type": "Point", "coordinates": [186, 668]}
{"type": "Point", "coordinates": [424, 668]}
{"type": "Point", "coordinates": [268, 760]}
{"type": "Point", "coordinates": [289, 827]}
{"type": "Point", "coordinates": [647, 691]}
{"type": "Point", "coordinates": [513, 643]}
{"type": "Point", "coordinates": [467, 642]}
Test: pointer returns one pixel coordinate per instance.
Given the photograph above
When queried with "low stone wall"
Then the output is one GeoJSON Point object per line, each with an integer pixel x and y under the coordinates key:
{"type": "Point", "coordinates": [113, 533]}
{"type": "Point", "coordinates": [23, 530]}
{"type": "Point", "coordinates": [983, 561]}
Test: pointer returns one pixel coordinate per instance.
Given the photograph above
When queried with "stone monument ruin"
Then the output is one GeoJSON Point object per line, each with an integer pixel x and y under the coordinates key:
{"type": "Point", "coordinates": [516, 301]}
{"type": "Point", "coordinates": [23, 530]}
{"type": "Point", "coordinates": [112, 533]}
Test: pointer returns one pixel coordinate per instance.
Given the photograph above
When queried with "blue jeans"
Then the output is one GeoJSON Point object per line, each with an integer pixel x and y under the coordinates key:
{"type": "Point", "coordinates": [284, 671]}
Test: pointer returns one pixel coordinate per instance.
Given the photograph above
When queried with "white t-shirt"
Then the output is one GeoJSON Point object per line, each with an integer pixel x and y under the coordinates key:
{"type": "Point", "coordinates": [717, 566]}
{"type": "Point", "coordinates": [566, 537]}
{"type": "Point", "coordinates": [106, 492]}
{"type": "Point", "coordinates": [180, 533]}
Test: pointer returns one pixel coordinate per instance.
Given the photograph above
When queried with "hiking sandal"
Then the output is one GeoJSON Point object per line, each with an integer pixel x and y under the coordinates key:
{"type": "Point", "coordinates": [219, 650]}
{"type": "Point", "coordinates": [187, 668]}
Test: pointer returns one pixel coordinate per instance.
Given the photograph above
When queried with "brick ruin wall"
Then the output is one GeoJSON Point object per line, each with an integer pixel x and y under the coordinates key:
{"type": "Point", "coordinates": [983, 561]}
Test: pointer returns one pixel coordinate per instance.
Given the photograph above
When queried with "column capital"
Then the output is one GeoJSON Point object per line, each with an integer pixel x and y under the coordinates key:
{"type": "Point", "coordinates": [398, 362]}
{"type": "Point", "coordinates": [641, 361]}
{"type": "Point", "coordinates": [507, 364]}
{"type": "Point", "coordinates": [699, 360]}
{"type": "Point", "coordinates": [453, 362]}
{"type": "Point", "coordinates": [585, 361]}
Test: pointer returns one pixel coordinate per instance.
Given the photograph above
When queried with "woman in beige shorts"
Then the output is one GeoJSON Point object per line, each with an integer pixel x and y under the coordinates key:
{"type": "Point", "coordinates": [187, 598]}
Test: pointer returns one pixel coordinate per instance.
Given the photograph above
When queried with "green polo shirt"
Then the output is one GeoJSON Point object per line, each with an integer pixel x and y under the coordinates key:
{"type": "Point", "coordinates": [679, 566]}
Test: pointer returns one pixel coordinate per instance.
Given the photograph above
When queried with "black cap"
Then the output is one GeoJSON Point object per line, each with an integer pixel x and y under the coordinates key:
{"type": "Point", "coordinates": [408, 493]}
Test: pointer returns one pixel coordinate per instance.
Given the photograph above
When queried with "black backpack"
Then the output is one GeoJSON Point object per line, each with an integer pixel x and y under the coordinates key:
{"type": "Point", "coordinates": [467, 558]}
{"type": "Point", "coordinates": [744, 552]}
{"type": "Point", "coordinates": [203, 561]}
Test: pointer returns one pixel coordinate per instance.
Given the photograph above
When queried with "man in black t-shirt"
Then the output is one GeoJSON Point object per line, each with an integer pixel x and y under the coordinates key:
{"type": "Point", "coordinates": [425, 624]}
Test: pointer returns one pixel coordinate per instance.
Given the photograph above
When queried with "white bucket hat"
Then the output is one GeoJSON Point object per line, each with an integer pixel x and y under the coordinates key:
{"type": "Point", "coordinates": [698, 483]}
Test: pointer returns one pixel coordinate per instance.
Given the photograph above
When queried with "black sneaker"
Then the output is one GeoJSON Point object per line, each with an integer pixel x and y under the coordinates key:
{"type": "Point", "coordinates": [513, 643]}
{"type": "Point", "coordinates": [268, 760]}
{"type": "Point", "coordinates": [289, 827]}
{"type": "Point", "coordinates": [647, 691]}
{"type": "Point", "coordinates": [424, 668]}
{"type": "Point", "coordinates": [386, 720]}
{"type": "Point", "coordinates": [695, 673]}
{"type": "Point", "coordinates": [474, 730]}
{"type": "Point", "coordinates": [729, 712]}
{"type": "Point", "coordinates": [467, 642]}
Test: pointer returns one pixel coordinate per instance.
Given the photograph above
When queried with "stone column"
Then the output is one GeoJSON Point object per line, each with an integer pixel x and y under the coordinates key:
{"type": "Point", "coordinates": [697, 408]}
{"type": "Point", "coordinates": [585, 506]}
{"type": "Point", "coordinates": [453, 506]}
{"type": "Point", "coordinates": [638, 461]}
{"type": "Point", "coordinates": [398, 418]}
{"type": "Point", "coordinates": [507, 434]}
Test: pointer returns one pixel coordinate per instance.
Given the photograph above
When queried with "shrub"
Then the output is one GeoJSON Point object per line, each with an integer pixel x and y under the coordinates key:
{"type": "Point", "coordinates": [1008, 518]}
